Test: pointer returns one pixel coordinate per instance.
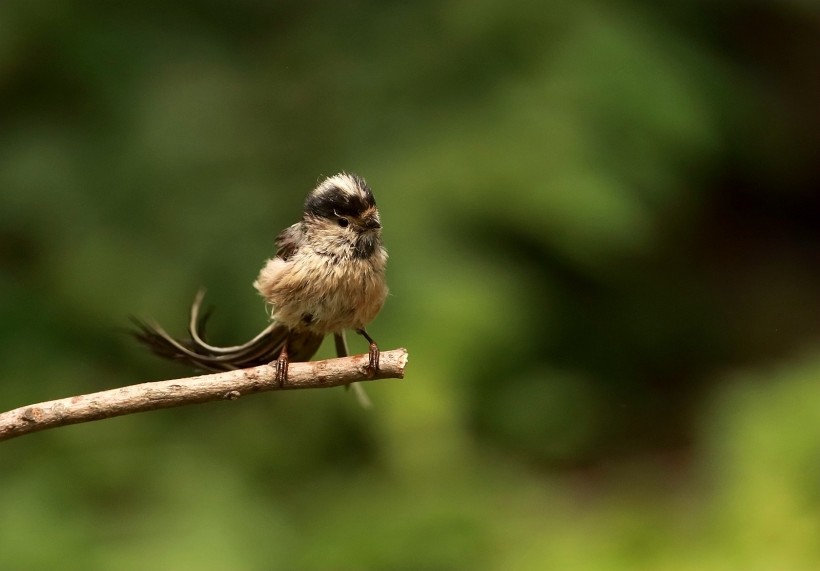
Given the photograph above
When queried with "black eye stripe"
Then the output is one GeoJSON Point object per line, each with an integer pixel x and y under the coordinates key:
{"type": "Point", "coordinates": [333, 197]}
{"type": "Point", "coordinates": [333, 201]}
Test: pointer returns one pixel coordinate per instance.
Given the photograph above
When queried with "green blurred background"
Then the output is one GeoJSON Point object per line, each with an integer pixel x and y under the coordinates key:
{"type": "Point", "coordinates": [604, 227]}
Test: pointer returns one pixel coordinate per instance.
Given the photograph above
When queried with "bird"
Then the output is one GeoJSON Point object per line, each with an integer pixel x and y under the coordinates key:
{"type": "Point", "coordinates": [327, 276]}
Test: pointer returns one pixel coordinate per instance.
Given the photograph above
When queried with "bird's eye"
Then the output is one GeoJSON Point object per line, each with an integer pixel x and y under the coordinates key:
{"type": "Point", "coordinates": [343, 222]}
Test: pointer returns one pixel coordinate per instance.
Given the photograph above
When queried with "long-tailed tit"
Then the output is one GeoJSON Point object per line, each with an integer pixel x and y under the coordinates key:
{"type": "Point", "coordinates": [327, 276]}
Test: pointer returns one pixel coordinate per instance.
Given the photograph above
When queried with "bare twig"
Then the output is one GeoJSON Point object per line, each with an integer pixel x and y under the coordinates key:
{"type": "Point", "coordinates": [179, 392]}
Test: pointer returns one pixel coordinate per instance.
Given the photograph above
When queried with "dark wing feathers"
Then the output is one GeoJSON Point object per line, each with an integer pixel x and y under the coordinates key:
{"type": "Point", "coordinates": [288, 240]}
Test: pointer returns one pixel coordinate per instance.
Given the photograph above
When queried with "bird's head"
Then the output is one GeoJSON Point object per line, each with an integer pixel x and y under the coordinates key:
{"type": "Point", "coordinates": [343, 207]}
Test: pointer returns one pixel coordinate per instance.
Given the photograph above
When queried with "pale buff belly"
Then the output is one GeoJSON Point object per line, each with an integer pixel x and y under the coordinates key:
{"type": "Point", "coordinates": [321, 297]}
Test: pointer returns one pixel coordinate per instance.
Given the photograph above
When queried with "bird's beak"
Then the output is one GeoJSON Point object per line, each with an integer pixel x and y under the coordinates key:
{"type": "Point", "coordinates": [371, 222]}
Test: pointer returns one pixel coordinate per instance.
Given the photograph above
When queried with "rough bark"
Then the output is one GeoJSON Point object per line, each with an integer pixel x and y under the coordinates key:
{"type": "Point", "coordinates": [190, 390]}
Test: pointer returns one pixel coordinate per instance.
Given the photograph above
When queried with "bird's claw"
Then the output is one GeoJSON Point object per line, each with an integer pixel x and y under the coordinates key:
{"type": "Point", "coordinates": [372, 361]}
{"type": "Point", "coordinates": [282, 370]}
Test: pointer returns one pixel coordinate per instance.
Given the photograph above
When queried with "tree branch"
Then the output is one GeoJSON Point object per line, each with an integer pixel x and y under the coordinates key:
{"type": "Point", "coordinates": [191, 390]}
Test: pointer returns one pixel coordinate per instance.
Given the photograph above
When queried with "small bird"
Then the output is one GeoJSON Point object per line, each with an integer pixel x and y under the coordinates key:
{"type": "Point", "coordinates": [328, 275]}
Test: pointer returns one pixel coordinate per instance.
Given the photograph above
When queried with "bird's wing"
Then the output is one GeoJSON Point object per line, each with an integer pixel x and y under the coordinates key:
{"type": "Point", "coordinates": [288, 240]}
{"type": "Point", "coordinates": [287, 243]}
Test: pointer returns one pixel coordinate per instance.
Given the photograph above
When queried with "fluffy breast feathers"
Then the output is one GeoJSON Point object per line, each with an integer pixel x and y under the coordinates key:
{"type": "Point", "coordinates": [313, 292]}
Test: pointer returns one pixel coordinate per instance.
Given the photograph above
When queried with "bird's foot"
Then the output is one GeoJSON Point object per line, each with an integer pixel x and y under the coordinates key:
{"type": "Point", "coordinates": [372, 356]}
{"type": "Point", "coordinates": [373, 361]}
{"type": "Point", "coordinates": [282, 367]}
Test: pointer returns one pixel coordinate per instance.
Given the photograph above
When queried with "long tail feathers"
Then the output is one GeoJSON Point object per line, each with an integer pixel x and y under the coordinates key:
{"type": "Point", "coordinates": [195, 351]}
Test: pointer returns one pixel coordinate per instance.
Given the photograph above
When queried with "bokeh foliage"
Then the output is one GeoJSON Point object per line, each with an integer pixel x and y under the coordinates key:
{"type": "Point", "coordinates": [604, 227]}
